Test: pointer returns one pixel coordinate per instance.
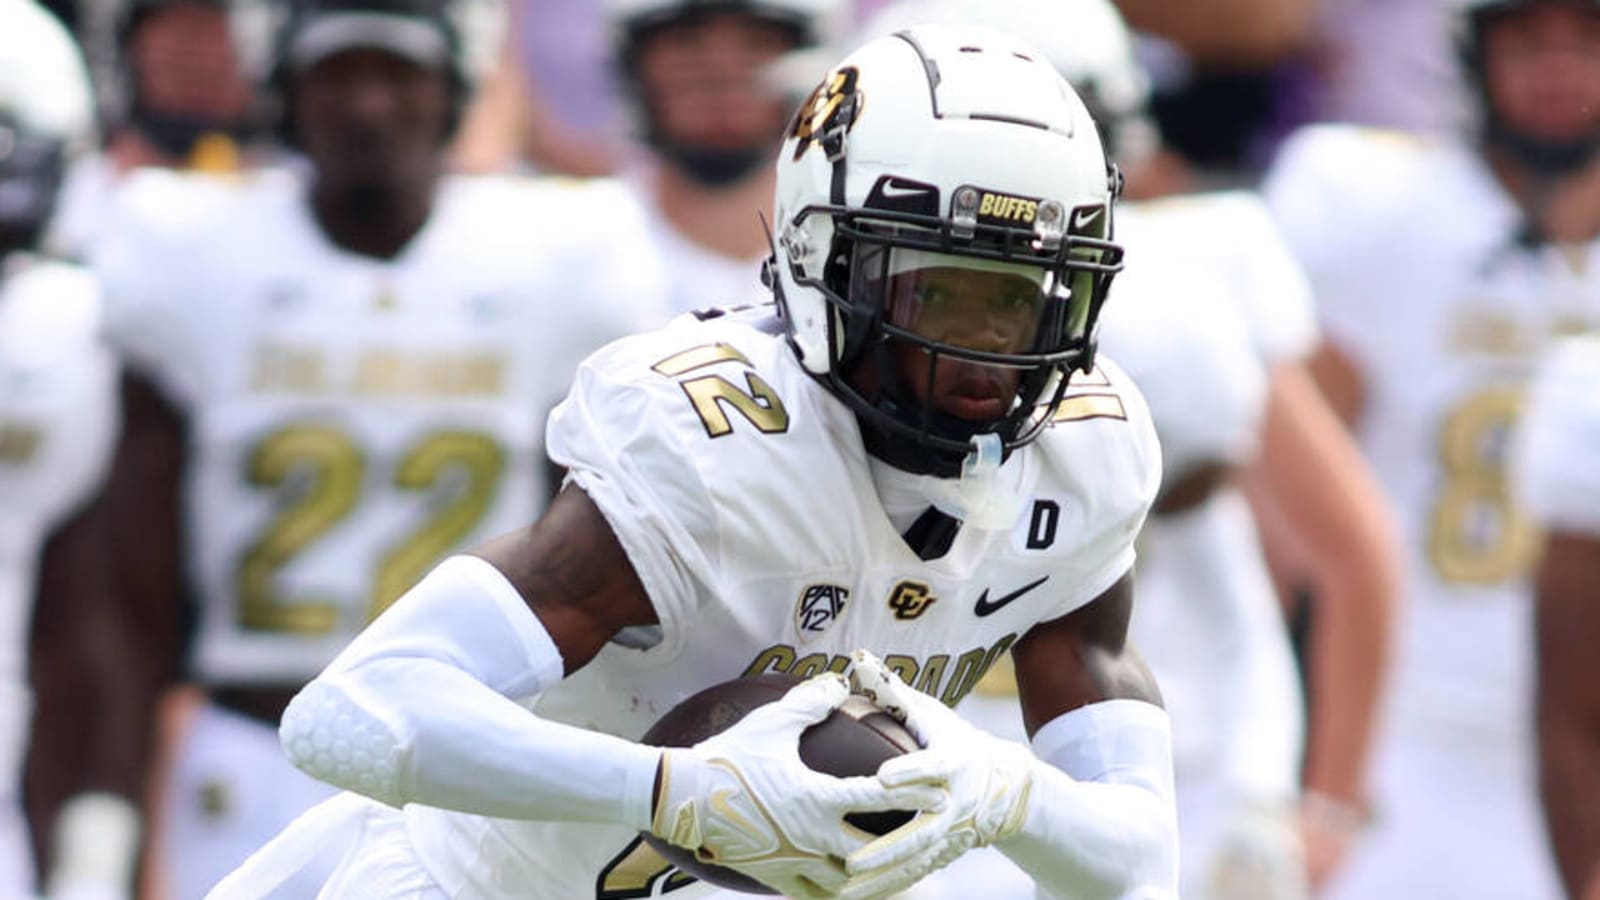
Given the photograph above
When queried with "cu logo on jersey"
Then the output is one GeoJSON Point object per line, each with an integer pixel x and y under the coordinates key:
{"type": "Point", "coordinates": [828, 114]}
{"type": "Point", "coordinates": [820, 606]}
{"type": "Point", "coordinates": [910, 599]}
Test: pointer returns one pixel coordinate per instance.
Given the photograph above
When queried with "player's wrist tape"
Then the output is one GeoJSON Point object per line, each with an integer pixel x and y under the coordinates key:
{"type": "Point", "coordinates": [97, 844]}
{"type": "Point", "coordinates": [421, 707]}
{"type": "Point", "coordinates": [1333, 815]}
{"type": "Point", "coordinates": [1102, 811]}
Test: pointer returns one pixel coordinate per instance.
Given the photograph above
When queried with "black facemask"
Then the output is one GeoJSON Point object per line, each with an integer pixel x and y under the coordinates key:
{"type": "Point", "coordinates": [31, 171]}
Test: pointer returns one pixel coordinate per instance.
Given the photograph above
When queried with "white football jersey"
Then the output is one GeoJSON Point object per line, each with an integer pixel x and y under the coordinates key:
{"type": "Point", "coordinates": [352, 420]}
{"type": "Point", "coordinates": [83, 206]}
{"type": "Point", "coordinates": [57, 424]}
{"type": "Point", "coordinates": [1209, 300]}
{"type": "Point", "coordinates": [697, 276]}
{"type": "Point", "coordinates": [1421, 279]}
{"type": "Point", "coordinates": [1560, 451]}
{"type": "Point", "coordinates": [740, 488]}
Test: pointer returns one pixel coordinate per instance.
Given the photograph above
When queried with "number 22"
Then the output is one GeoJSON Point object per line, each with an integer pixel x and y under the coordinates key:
{"type": "Point", "coordinates": [319, 470]}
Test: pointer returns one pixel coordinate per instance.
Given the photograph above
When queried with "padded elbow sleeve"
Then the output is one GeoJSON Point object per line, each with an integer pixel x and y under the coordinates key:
{"type": "Point", "coordinates": [349, 728]}
{"type": "Point", "coordinates": [333, 737]}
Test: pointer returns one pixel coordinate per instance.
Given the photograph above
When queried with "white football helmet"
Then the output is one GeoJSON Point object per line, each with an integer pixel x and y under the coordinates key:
{"type": "Point", "coordinates": [1539, 154]}
{"type": "Point", "coordinates": [46, 114]}
{"type": "Point", "coordinates": [470, 30]}
{"type": "Point", "coordinates": [814, 21]}
{"type": "Point", "coordinates": [1086, 40]}
{"type": "Point", "coordinates": [807, 24]}
{"type": "Point", "coordinates": [956, 148]}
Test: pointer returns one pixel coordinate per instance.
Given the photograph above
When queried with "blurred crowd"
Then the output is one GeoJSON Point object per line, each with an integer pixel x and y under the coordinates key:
{"type": "Point", "coordinates": [288, 287]}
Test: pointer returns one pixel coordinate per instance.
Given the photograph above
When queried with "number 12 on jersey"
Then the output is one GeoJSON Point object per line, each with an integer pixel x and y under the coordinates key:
{"type": "Point", "coordinates": [713, 395]}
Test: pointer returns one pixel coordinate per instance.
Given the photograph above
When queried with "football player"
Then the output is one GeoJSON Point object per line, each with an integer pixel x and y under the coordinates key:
{"type": "Point", "coordinates": [345, 370]}
{"type": "Point", "coordinates": [709, 113]}
{"type": "Point", "coordinates": [186, 102]}
{"type": "Point", "coordinates": [57, 423]}
{"type": "Point", "coordinates": [1559, 479]}
{"type": "Point", "coordinates": [1215, 333]}
{"type": "Point", "coordinates": [1442, 269]}
{"type": "Point", "coordinates": [898, 457]}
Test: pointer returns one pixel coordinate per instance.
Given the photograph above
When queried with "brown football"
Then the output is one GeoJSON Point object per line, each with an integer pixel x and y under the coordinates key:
{"type": "Point", "coordinates": [853, 740]}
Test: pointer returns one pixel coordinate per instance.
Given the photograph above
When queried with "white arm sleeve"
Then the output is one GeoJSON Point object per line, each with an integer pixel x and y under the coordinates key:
{"type": "Point", "coordinates": [1102, 816]}
{"type": "Point", "coordinates": [420, 708]}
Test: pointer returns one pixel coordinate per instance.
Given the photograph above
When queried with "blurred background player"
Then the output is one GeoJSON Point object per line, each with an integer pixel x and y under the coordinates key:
{"type": "Point", "coordinates": [180, 97]}
{"type": "Point", "coordinates": [344, 370]}
{"type": "Point", "coordinates": [57, 426]}
{"type": "Point", "coordinates": [1559, 479]}
{"type": "Point", "coordinates": [1215, 331]}
{"type": "Point", "coordinates": [1443, 269]}
{"type": "Point", "coordinates": [187, 100]}
{"type": "Point", "coordinates": [709, 109]}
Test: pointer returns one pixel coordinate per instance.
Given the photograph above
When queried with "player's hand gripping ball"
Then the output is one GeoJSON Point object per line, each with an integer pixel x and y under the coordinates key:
{"type": "Point", "coordinates": [849, 742]}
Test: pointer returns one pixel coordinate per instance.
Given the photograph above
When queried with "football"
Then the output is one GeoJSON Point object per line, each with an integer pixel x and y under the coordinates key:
{"type": "Point", "coordinates": [853, 740]}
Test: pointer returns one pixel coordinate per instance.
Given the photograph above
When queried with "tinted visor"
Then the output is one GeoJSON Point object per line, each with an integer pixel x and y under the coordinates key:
{"type": "Point", "coordinates": [959, 301]}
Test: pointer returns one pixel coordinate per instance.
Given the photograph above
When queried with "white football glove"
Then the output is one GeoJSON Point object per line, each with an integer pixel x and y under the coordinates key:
{"type": "Point", "coordinates": [986, 782]}
{"type": "Point", "coordinates": [1260, 856]}
{"type": "Point", "coordinates": [743, 799]}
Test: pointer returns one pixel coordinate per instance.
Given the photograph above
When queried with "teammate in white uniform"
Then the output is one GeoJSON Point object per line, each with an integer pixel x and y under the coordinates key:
{"type": "Point", "coordinates": [177, 95]}
{"type": "Point", "coordinates": [1442, 272]}
{"type": "Point", "coordinates": [709, 114]}
{"type": "Point", "coordinates": [1559, 480]}
{"type": "Point", "coordinates": [57, 424]}
{"type": "Point", "coordinates": [1207, 328]}
{"type": "Point", "coordinates": [362, 359]}
{"type": "Point", "coordinates": [895, 461]}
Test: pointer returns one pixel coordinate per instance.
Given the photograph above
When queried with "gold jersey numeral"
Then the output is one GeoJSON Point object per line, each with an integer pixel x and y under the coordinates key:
{"type": "Point", "coordinates": [712, 395]}
{"type": "Point", "coordinates": [1476, 533]}
{"type": "Point", "coordinates": [636, 871]}
{"type": "Point", "coordinates": [318, 473]}
{"type": "Point", "coordinates": [318, 470]}
{"type": "Point", "coordinates": [465, 466]}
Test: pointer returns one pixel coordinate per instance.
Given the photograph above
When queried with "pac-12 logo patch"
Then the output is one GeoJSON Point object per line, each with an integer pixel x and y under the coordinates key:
{"type": "Point", "coordinates": [819, 607]}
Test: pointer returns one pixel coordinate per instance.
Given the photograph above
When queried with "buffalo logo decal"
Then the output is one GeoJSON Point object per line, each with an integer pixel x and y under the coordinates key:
{"type": "Point", "coordinates": [832, 108]}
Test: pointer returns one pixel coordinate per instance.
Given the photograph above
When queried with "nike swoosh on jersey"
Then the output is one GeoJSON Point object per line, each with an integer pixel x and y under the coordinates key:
{"type": "Point", "coordinates": [984, 607]}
